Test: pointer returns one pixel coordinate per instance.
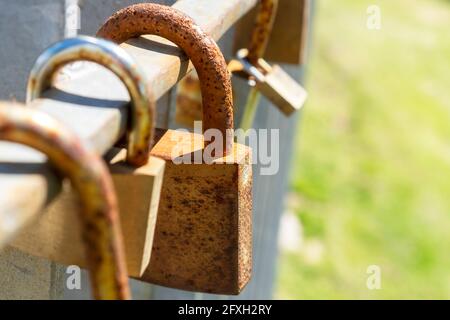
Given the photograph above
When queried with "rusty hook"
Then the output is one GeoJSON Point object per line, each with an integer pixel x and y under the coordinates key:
{"type": "Point", "coordinates": [114, 58]}
{"type": "Point", "coordinates": [262, 29]}
{"type": "Point", "coordinates": [90, 177]}
{"type": "Point", "coordinates": [259, 39]}
{"type": "Point", "coordinates": [172, 24]}
{"type": "Point", "coordinates": [252, 58]}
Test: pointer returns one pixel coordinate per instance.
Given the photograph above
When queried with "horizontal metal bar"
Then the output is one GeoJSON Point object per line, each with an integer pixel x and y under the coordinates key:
{"type": "Point", "coordinates": [93, 102]}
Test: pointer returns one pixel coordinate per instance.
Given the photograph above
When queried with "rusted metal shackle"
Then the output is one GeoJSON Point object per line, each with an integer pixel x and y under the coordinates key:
{"type": "Point", "coordinates": [90, 177]}
{"type": "Point", "coordinates": [202, 50]}
{"type": "Point", "coordinates": [114, 58]}
{"type": "Point", "coordinates": [262, 29]}
{"type": "Point", "coordinates": [282, 90]}
{"type": "Point", "coordinates": [248, 63]}
{"type": "Point", "coordinates": [259, 38]}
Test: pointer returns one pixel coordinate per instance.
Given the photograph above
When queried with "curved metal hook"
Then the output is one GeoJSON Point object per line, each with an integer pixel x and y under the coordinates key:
{"type": "Point", "coordinates": [249, 63]}
{"type": "Point", "coordinates": [114, 58]}
{"type": "Point", "coordinates": [169, 23]}
{"type": "Point", "coordinates": [90, 177]}
{"type": "Point", "coordinates": [262, 29]}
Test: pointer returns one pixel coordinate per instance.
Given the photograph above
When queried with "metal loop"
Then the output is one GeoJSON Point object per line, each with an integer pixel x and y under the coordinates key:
{"type": "Point", "coordinates": [248, 67]}
{"type": "Point", "coordinates": [114, 58]}
{"type": "Point", "coordinates": [262, 30]}
{"type": "Point", "coordinates": [172, 24]}
{"type": "Point", "coordinates": [249, 63]}
{"type": "Point", "coordinates": [259, 40]}
{"type": "Point", "coordinates": [90, 178]}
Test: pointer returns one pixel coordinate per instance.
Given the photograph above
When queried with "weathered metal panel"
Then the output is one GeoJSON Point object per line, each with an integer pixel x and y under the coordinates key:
{"type": "Point", "coordinates": [26, 28]}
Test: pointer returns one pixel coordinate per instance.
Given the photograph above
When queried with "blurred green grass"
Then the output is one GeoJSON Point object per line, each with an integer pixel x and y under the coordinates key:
{"type": "Point", "coordinates": [371, 175]}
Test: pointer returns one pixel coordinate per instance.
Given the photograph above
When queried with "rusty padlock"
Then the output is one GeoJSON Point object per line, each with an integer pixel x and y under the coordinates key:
{"type": "Point", "coordinates": [272, 81]}
{"type": "Point", "coordinates": [289, 37]}
{"type": "Point", "coordinates": [137, 176]}
{"type": "Point", "coordinates": [101, 232]}
{"type": "Point", "coordinates": [203, 237]}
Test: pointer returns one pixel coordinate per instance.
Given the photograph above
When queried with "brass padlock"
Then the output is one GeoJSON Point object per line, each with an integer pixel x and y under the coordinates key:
{"type": "Point", "coordinates": [101, 232]}
{"type": "Point", "coordinates": [288, 41]}
{"type": "Point", "coordinates": [137, 176]}
{"type": "Point", "coordinates": [275, 84]}
{"type": "Point", "coordinates": [203, 233]}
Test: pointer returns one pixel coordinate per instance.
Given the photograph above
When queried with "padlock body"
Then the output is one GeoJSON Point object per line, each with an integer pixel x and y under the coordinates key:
{"type": "Point", "coordinates": [56, 236]}
{"type": "Point", "coordinates": [282, 90]}
{"type": "Point", "coordinates": [203, 236]}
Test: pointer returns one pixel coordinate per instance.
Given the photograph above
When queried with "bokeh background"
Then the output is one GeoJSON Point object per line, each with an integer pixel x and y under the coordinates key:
{"type": "Point", "coordinates": [371, 175]}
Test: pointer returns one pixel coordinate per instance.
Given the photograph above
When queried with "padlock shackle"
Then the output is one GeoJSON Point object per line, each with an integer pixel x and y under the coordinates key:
{"type": "Point", "coordinates": [262, 30]}
{"type": "Point", "coordinates": [117, 60]}
{"type": "Point", "coordinates": [202, 50]}
{"type": "Point", "coordinates": [90, 178]}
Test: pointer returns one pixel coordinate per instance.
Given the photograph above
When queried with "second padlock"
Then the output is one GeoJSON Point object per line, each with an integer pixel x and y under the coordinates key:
{"type": "Point", "coordinates": [271, 81]}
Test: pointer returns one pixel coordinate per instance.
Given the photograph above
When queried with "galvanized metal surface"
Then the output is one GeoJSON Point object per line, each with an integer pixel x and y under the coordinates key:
{"type": "Point", "coordinates": [27, 28]}
{"type": "Point", "coordinates": [114, 58]}
{"type": "Point", "coordinates": [90, 178]}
